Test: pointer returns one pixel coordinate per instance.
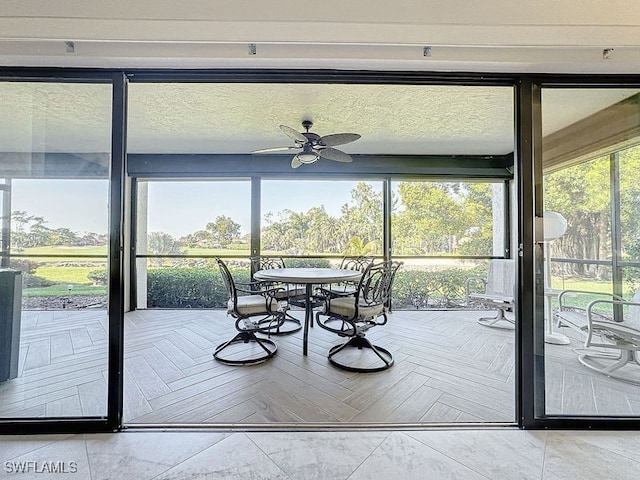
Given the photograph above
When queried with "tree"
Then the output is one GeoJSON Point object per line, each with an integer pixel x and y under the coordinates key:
{"type": "Point", "coordinates": [357, 246]}
{"type": "Point", "coordinates": [63, 236]}
{"type": "Point", "coordinates": [430, 220]}
{"type": "Point", "coordinates": [161, 243]}
{"type": "Point", "coordinates": [223, 231]}
{"type": "Point", "coordinates": [362, 218]}
{"type": "Point", "coordinates": [478, 216]}
{"type": "Point", "coordinates": [20, 221]}
{"type": "Point", "coordinates": [581, 194]}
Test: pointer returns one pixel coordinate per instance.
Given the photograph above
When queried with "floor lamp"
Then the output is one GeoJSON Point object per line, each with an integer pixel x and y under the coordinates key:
{"type": "Point", "coordinates": [555, 226]}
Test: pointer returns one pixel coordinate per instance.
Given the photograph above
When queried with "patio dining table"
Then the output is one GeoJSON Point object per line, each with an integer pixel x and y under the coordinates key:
{"type": "Point", "coordinates": [307, 277]}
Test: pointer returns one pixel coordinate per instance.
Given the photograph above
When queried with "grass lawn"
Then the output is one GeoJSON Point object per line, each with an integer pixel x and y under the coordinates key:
{"type": "Point", "coordinates": [67, 275]}
{"type": "Point", "coordinates": [216, 251]}
{"type": "Point", "coordinates": [54, 250]}
{"type": "Point", "coordinates": [589, 286]}
{"type": "Point", "coordinates": [62, 290]}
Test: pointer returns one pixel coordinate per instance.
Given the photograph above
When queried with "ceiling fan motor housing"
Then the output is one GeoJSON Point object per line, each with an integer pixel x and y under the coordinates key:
{"type": "Point", "coordinates": [312, 138]}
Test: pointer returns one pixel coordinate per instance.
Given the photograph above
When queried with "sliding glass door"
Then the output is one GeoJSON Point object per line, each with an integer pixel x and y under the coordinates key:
{"type": "Point", "coordinates": [55, 145]}
{"type": "Point", "coordinates": [591, 265]}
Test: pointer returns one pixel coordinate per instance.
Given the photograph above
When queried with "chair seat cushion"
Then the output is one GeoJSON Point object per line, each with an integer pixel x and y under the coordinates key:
{"type": "Point", "coordinates": [576, 320]}
{"type": "Point", "coordinates": [346, 307]}
{"type": "Point", "coordinates": [619, 331]}
{"type": "Point", "coordinates": [254, 304]}
{"type": "Point", "coordinates": [490, 297]}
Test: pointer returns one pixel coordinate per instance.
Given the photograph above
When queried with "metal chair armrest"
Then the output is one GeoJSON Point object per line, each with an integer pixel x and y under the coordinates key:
{"type": "Point", "coordinates": [608, 302]}
{"type": "Point", "coordinates": [574, 293]}
{"type": "Point", "coordinates": [467, 285]}
{"type": "Point", "coordinates": [265, 292]}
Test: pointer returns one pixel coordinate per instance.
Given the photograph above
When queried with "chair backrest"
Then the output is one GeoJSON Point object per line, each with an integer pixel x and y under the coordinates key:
{"type": "Point", "coordinates": [632, 318]}
{"type": "Point", "coordinates": [359, 263]}
{"type": "Point", "coordinates": [501, 278]}
{"type": "Point", "coordinates": [268, 263]}
{"type": "Point", "coordinates": [376, 282]}
{"type": "Point", "coordinates": [228, 280]}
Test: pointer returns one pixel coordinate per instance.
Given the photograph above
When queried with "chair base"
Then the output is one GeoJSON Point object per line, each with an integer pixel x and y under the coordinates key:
{"type": "Point", "coordinates": [269, 347]}
{"type": "Point", "coordinates": [499, 321]}
{"type": "Point", "coordinates": [285, 326]}
{"type": "Point", "coordinates": [609, 363]}
{"type": "Point", "coordinates": [345, 329]}
{"type": "Point", "coordinates": [361, 342]}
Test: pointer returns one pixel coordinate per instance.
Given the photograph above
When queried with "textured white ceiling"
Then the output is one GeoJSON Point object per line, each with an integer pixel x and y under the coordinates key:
{"type": "Point", "coordinates": [239, 118]}
{"type": "Point", "coordinates": [566, 36]}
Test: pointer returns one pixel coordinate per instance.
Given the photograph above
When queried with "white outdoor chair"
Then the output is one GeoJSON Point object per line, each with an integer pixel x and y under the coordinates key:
{"type": "Point", "coordinates": [609, 345]}
{"type": "Point", "coordinates": [497, 292]}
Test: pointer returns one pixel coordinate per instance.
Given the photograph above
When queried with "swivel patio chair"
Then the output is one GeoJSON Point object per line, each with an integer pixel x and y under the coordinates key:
{"type": "Point", "coordinates": [256, 312]}
{"type": "Point", "coordinates": [353, 314]}
{"type": "Point", "coordinates": [611, 345]}
{"type": "Point", "coordinates": [356, 263]}
{"type": "Point", "coordinates": [286, 295]}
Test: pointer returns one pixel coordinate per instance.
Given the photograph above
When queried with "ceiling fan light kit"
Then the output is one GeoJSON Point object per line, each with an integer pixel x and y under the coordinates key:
{"type": "Point", "coordinates": [313, 145]}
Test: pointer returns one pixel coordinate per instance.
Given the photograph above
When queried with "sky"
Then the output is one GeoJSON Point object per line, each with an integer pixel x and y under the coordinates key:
{"type": "Point", "coordinates": [81, 206]}
{"type": "Point", "coordinates": [207, 200]}
{"type": "Point", "coordinates": [176, 208]}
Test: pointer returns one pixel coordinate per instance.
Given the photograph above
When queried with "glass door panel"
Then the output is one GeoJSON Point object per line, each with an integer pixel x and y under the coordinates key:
{"type": "Point", "coordinates": [590, 230]}
{"type": "Point", "coordinates": [54, 156]}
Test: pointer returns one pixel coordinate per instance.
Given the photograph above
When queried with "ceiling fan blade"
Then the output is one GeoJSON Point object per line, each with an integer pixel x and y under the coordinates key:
{"type": "Point", "coordinates": [295, 162]}
{"type": "Point", "coordinates": [335, 155]}
{"type": "Point", "coordinates": [275, 149]}
{"type": "Point", "coordinates": [291, 133]}
{"type": "Point", "coordinates": [338, 139]}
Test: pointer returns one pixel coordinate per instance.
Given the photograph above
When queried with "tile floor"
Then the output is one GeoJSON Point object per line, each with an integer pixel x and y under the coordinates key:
{"type": "Point", "coordinates": [500, 454]}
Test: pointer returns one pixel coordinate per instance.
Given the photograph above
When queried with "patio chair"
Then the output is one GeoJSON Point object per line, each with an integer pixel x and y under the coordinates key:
{"type": "Point", "coordinates": [258, 303]}
{"type": "Point", "coordinates": [353, 314]}
{"type": "Point", "coordinates": [286, 294]}
{"type": "Point", "coordinates": [609, 345]}
{"type": "Point", "coordinates": [356, 263]}
{"type": "Point", "coordinates": [497, 292]}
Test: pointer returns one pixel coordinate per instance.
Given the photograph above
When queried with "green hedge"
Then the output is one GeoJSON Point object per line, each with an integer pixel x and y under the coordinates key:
{"type": "Point", "coordinates": [189, 287]}
{"type": "Point", "coordinates": [432, 289]}
{"type": "Point", "coordinates": [203, 287]}
{"type": "Point", "coordinates": [307, 262]}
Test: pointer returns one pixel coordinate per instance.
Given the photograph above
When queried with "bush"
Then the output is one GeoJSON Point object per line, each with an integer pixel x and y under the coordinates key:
{"type": "Point", "coordinates": [307, 262]}
{"type": "Point", "coordinates": [189, 287]}
{"type": "Point", "coordinates": [204, 288]}
{"type": "Point", "coordinates": [99, 276]}
{"type": "Point", "coordinates": [33, 281]}
{"type": "Point", "coordinates": [432, 289]}
{"type": "Point", "coordinates": [25, 266]}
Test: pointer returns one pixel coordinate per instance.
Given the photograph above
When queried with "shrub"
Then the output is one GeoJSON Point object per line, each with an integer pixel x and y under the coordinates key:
{"type": "Point", "coordinates": [25, 266]}
{"type": "Point", "coordinates": [99, 276]}
{"type": "Point", "coordinates": [204, 288]}
{"type": "Point", "coordinates": [307, 262]}
{"type": "Point", "coordinates": [431, 289]}
{"type": "Point", "coordinates": [33, 281]}
{"type": "Point", "coordinates": [189, 287]}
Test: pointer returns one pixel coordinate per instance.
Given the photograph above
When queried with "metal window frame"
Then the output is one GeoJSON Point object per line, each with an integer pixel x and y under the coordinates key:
{"type": "Point", "coordinates": [529, 396]}
{"type": "Point", "coordinates": [112, 420]}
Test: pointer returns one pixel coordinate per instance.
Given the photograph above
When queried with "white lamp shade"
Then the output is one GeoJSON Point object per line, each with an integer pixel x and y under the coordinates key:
{"type": "Point", "coordinates": [307, 157]}
{"type": "Point", "coordinates": [555, 226]}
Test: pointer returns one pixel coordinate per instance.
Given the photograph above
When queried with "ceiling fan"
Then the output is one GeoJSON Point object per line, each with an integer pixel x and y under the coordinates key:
{"type": "Point", "coordinates": [314, 146]}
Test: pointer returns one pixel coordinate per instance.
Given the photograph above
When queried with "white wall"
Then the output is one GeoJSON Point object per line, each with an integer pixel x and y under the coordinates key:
{"type": "Point", "coordinates": [548, 35]}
